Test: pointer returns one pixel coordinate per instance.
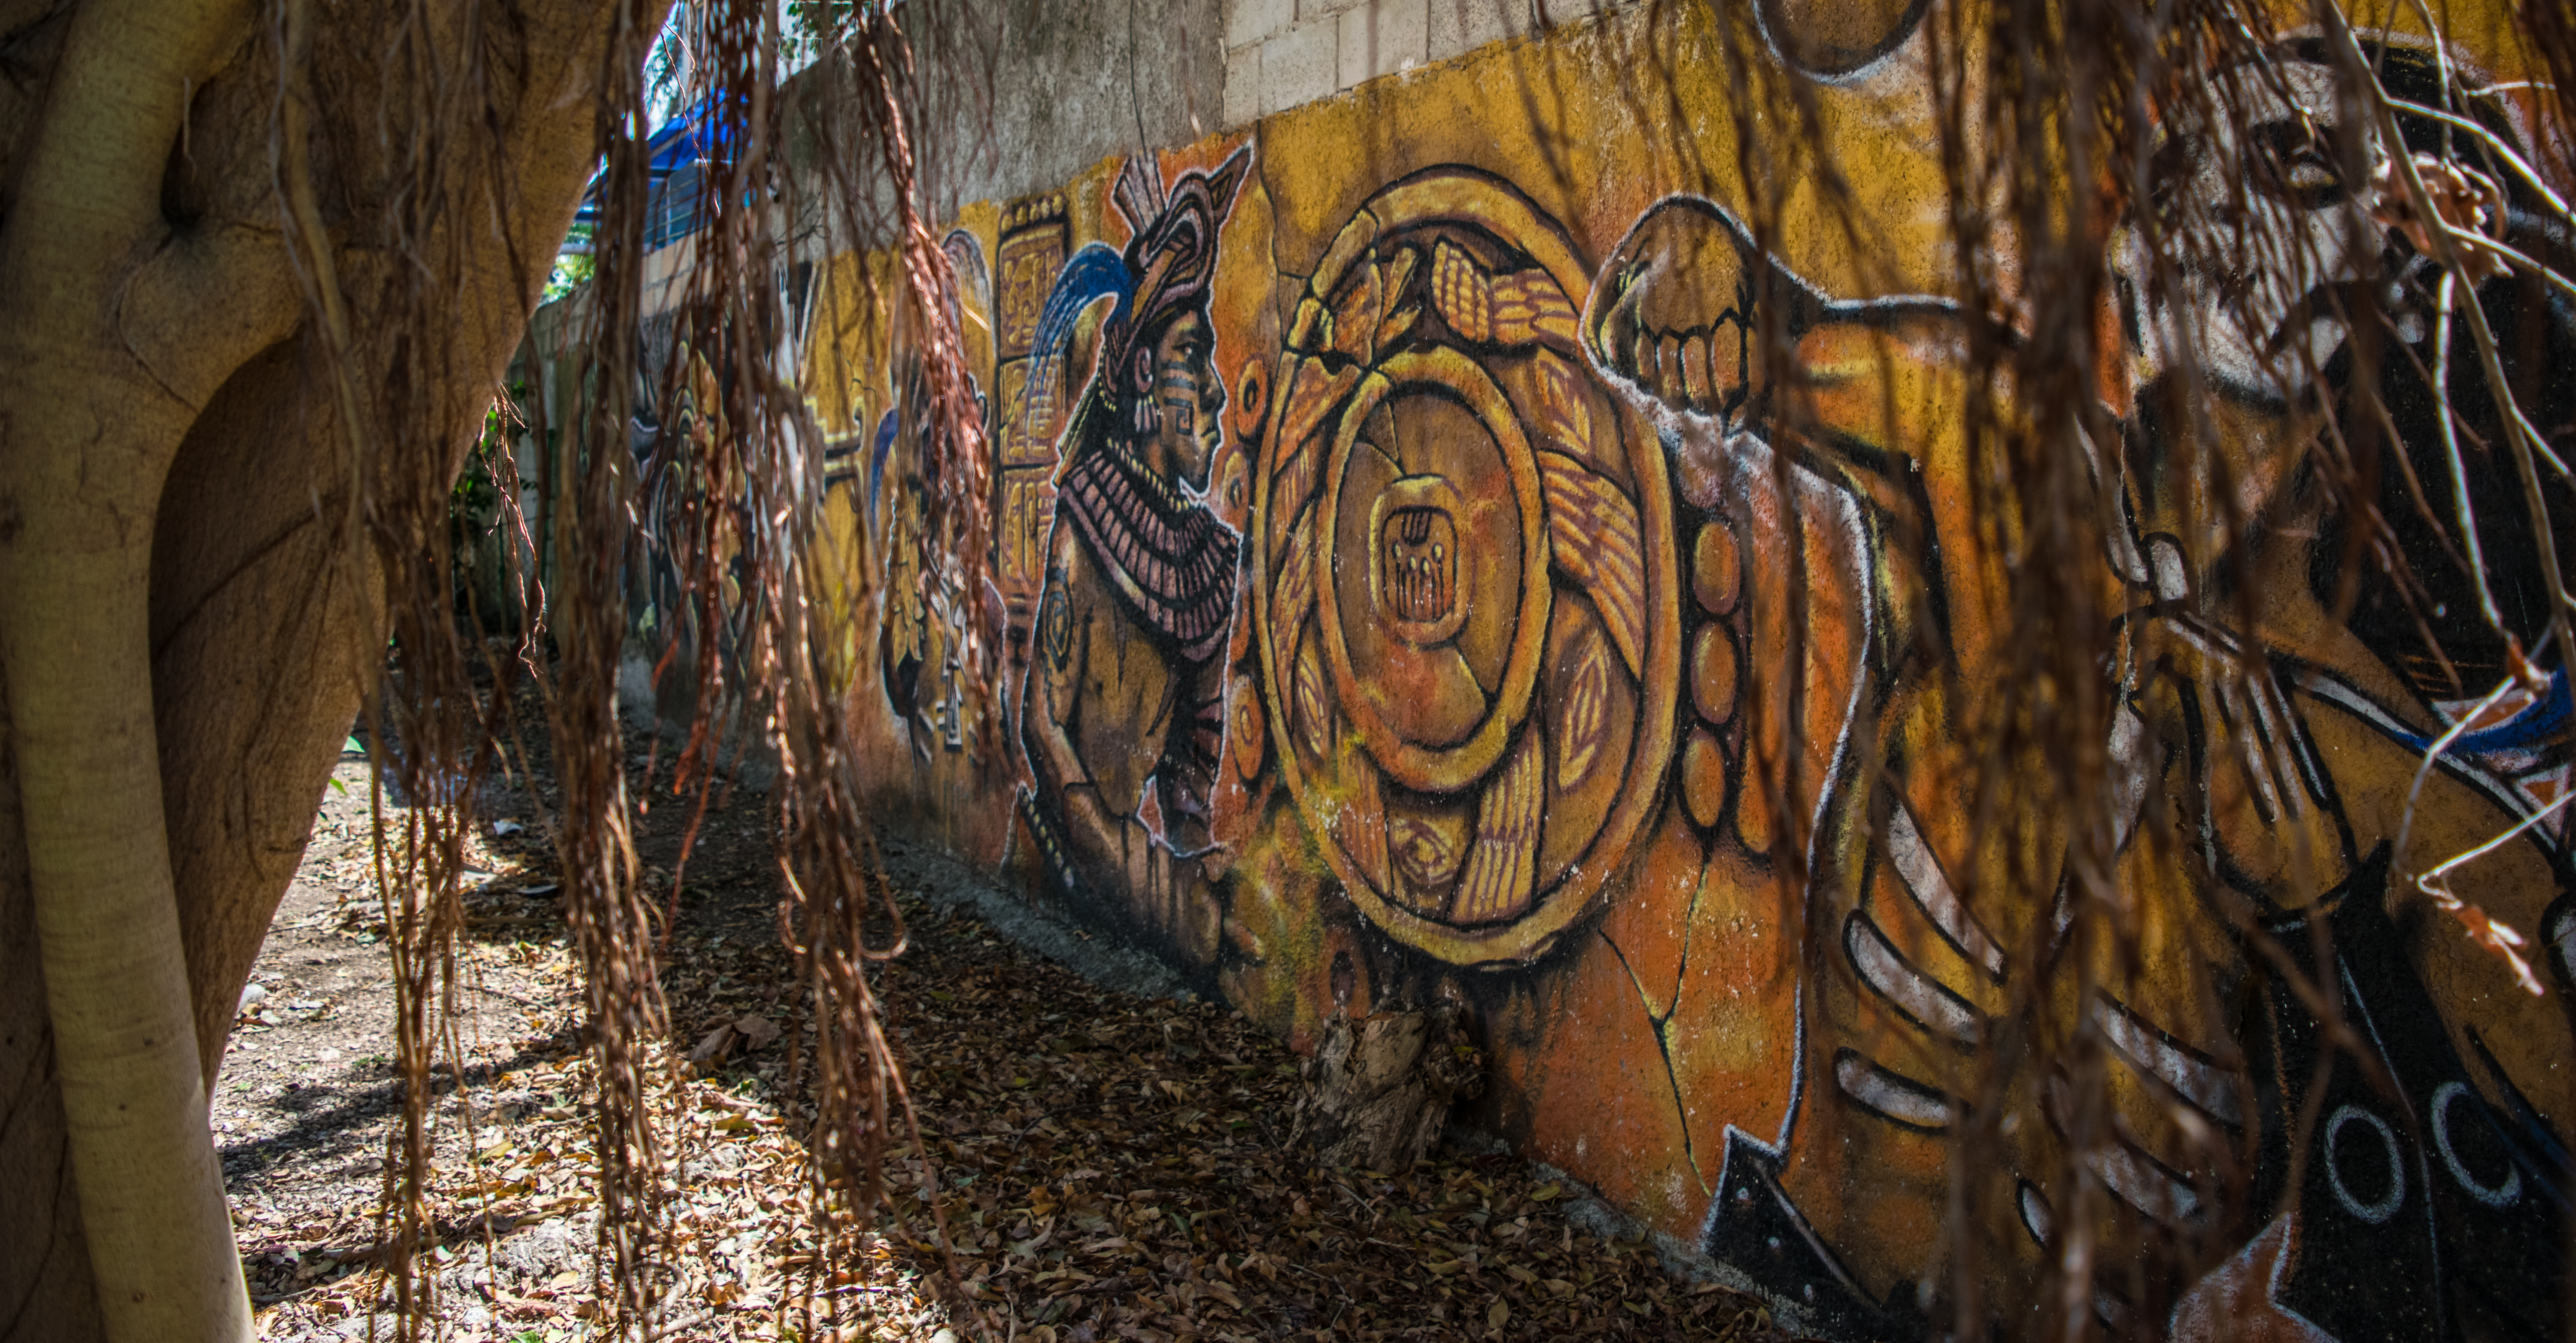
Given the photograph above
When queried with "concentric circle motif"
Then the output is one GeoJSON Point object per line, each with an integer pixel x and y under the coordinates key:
{"type": "Point", "coordinates": [1464, 574]}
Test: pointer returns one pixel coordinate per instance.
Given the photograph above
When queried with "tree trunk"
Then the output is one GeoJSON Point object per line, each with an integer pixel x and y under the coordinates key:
{"type": "Point", "coordinates": [183, 630]}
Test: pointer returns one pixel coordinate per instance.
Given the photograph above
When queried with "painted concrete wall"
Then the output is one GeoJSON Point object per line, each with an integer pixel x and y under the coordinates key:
{"type": "Point", "coordinates": [1400, 601]}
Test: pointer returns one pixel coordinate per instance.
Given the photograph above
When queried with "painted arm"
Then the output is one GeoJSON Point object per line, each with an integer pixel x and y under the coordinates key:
{"type": "Point", "coordinates": [1695, 315]}
{"type": "Point", "coordinates": [1770, 380]}
{"type": "Point", "coordinates": [1866, 396]}
{"type": "Point", "coordinates": [1109, 855]}
{"type": "Point", "coordinates": [1681, 311]}
{"type": "Point", "coordinates": [1076, 828]}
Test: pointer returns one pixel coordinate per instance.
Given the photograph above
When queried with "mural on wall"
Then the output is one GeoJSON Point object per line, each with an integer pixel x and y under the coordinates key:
{"type": "Point", "coordinates": [678, 405]}
{"type": "Point", "coordinates": [877, 484]}
{"type": "Point", "coordinates": [1413, 590]}
{"type": "Point", "coordinates": [1466, 578]}
{"type": "Point", "coordinates": [2291, 753]}
{"type": "Point", "coordinates": [1120, 711]}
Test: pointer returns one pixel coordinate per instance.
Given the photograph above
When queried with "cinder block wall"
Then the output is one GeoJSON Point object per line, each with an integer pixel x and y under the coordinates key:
{"type": "Point", "coordinates": [1281, 53]}
{"type": "Point", "coordinates": [1072, 84]}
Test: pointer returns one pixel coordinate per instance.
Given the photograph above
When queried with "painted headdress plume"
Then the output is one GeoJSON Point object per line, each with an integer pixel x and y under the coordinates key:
{"type": "Point", "coordinates": [1166, 269]}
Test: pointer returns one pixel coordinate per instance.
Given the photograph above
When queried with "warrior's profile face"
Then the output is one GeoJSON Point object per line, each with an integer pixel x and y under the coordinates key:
{"type": "Point", "coordinates": [2267, 225]}
{"type": "Point", "coordinates": [2263, 236]}
{"type": "Point", "coordinates": [1189, 399]}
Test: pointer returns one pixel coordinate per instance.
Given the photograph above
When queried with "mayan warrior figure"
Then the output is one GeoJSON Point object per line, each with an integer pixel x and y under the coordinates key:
{"type": "Point", "coordinates": [2428, 1199]}
{"type": "Point", "coordinates": [1123, 701]}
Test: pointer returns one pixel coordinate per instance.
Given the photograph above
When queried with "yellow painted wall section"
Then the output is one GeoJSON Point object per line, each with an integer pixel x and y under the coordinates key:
{"type": "Point", "coordinates": [1407, 598]}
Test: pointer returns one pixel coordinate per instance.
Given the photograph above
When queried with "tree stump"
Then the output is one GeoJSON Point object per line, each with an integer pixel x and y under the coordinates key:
{"type": "Point", "coordinates": [1381, 1086]}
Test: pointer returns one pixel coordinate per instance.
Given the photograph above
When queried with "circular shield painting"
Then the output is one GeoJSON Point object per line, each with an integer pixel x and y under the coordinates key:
{"type": "Point", "coordinates": [1464, 576]}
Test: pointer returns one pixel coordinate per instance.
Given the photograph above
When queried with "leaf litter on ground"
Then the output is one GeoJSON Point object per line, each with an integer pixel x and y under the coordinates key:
{"type": "Point", "coordinates": [1106, 1166]}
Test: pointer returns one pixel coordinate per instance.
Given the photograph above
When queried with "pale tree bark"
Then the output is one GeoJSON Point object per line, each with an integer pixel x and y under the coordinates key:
{"type": "Point", "coordinates": [184, 619]}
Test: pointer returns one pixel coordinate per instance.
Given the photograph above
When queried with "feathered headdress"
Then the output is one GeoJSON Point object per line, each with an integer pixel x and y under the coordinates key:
{"type": "Point", "coordinates": [1166, 269]}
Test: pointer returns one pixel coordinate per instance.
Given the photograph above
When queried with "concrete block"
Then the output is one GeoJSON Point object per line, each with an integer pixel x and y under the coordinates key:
{"type": "Point", "coordinates": [1242, 85]}
{"type": "Point", "coordinates": [1381, 38]}
{"type": "Point", "coordinates": [1460, 26]}
{"type": "Point", "coordinates": [1249, 21]}
{"type": "Point", "coordinates": [1298, 66]}
{"type": "Point", "coordinates": [1324, 9]}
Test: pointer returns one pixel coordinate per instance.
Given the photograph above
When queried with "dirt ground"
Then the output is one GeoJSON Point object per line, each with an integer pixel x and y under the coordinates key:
{"type": "Point", "coordinates": [1107, 1164]}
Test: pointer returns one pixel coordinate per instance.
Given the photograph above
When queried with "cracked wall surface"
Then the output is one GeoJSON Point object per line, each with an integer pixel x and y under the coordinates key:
{"type": "Point", "coordinates": [1409, 592]}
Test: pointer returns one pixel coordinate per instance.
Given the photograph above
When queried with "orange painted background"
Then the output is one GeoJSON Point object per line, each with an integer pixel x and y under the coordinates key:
{"type": "Point", "coordinates": [1408, 598]}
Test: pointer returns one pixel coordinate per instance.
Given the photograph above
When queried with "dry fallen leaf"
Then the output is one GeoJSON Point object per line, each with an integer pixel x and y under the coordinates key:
{"type": "Point", "coordinates": [712, 1045]}
{"type": "Point", "coordinates": [1096, 1166]}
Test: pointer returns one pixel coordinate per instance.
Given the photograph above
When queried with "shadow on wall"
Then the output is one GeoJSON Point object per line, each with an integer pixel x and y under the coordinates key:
{"type": "Point", "coordinates": [1414, 593]}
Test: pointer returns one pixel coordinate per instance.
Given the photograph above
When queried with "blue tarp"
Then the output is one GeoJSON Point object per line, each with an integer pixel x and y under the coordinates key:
{"type": "Point", "coordinates": [700, 133]}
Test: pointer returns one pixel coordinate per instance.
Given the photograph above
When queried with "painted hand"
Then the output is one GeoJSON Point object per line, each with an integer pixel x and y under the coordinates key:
{"type": "Point", "coordinates": [2265, 811]}
{"type": "Point", "coordinates": [1674, 313]}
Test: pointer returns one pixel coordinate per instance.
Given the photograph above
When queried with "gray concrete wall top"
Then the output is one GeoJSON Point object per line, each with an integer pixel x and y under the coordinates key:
{"type": "Point", "coordinates": [1043, 89]}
